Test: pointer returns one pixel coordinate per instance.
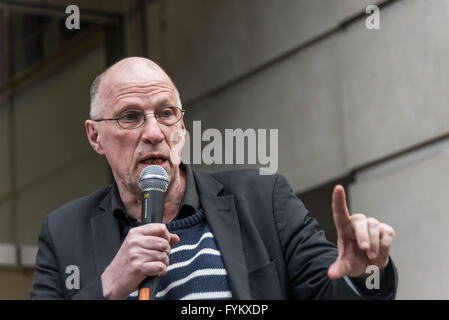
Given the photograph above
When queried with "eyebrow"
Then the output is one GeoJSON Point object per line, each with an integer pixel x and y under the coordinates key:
{"type": "Point", "coordinates": [133, 106]}
{"type": "Point", "coordinates": [126, 107]}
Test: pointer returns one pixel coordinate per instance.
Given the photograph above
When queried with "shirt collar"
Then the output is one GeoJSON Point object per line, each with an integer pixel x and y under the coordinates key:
{"type": "Point", "coordinates": [190, 202]}
{"type": "Point", "coordinates": [118, 209]}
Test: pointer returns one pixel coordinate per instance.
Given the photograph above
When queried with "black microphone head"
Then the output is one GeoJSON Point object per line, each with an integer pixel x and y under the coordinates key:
{"type": "Point", "coordinates": [153, 177]}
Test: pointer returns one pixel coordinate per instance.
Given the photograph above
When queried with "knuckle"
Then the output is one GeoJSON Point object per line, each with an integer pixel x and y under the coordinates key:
{"type": "Point", "coordinates": [372, 222]}
{"type": "Point", "coordinates": [159, 244]}
{"type": "Point", "coordinates": [153, 268]}
{"type": "Point", "coordinates": [161, 228]}
{"type": "Point", "coordinates": [357, 217]}
{"type": "Point", "coordinates": [156, 268]}
{"type": "Point", "coordinates": [160, 256]}
{"type": "Point", "coordinates": [388, 230]}
{"type": "Point", "coordinates": [133, 254]}
{"type": "Point", "coordinates": [132, 241]}
{"type": "Point", "coordinates": [136, 266]}
{"type": "Point", "coordinates": [165, 246]}
{"type": "Point", "coordinates": [154, 256]}
{"type": "Point", "coordinates": [385, 244]}
{"type": "Point", "coordinates": [162, 268]}
{"type": "Point", "coordinates": [133, 231]}
{"type": "Point", "coordinates": [391, 232]}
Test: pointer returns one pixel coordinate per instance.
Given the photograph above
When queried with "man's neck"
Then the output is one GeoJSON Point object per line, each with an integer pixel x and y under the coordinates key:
{"type": "Point", "coordinates": [173, 197]}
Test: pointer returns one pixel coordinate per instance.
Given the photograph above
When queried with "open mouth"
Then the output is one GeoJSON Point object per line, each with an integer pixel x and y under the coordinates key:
{"type": "Point", "coordinates": [156, 161]}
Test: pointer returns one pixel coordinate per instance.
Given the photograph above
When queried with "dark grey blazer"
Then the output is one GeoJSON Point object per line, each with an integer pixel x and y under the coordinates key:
{"type": "Point", "coordinates": [270, 247]}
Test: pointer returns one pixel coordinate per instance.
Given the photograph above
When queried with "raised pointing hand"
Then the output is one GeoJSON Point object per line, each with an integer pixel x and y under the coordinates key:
{"type": "Point", "coordinates": [362, 241]}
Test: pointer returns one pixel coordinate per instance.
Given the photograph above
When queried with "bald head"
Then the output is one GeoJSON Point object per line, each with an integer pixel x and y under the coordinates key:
{"type": "Point", "coordinates": [127, 70]}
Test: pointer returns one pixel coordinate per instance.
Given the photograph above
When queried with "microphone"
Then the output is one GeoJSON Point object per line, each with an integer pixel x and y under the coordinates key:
{"type": "Point", "coordinates": [154, 183]}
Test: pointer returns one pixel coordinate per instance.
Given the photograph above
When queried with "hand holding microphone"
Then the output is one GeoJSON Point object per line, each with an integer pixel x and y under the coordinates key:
{"type": "Point", "coordinates": [145, 250]}
{"type": "Point", "coordinates": [154, 183]}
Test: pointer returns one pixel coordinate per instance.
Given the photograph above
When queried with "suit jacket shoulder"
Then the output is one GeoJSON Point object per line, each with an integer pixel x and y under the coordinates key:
{"type": "Point", "coordinates": [79, 209]}
{"type": "Point", "coordinates": [67, 244]}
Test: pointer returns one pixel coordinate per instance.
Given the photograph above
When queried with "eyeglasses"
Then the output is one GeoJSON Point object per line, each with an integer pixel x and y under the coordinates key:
{"type": "Point", "coordinates": [133, 119]}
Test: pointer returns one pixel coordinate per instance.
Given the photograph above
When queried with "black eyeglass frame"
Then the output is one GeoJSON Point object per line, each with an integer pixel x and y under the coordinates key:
{"type": "Point", "coordinates": [144, 117]}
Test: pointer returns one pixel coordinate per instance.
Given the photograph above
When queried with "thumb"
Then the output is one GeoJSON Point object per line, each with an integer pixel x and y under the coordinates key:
{"type": "Point", "coordinates": [174, 239]}
{"type": "Point", "coordinates": [336, 270]}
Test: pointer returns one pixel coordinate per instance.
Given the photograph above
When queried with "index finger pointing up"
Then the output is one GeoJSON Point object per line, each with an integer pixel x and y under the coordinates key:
{"type": "Point", "coordinates": [339, 208]}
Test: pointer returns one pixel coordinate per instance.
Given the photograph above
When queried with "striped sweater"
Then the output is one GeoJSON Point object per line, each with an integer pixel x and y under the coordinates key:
{"type": "Point", "coordinates": [196, 269]}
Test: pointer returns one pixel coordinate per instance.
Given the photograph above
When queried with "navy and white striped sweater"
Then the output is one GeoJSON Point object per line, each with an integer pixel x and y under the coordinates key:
{"type": "Point", "coordinates": [196, 269]}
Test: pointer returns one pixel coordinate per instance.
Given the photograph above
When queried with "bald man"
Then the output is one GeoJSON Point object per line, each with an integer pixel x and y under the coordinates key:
{"type": "Point", "coordinates": [224, 235]}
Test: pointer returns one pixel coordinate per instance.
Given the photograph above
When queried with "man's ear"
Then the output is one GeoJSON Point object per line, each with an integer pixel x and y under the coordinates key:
{"type": "Point", "coordinates": [94, 136]}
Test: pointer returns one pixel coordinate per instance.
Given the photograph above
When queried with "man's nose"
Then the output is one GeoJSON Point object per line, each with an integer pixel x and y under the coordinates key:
{"type": "Point", "coordinates": [152, 132]}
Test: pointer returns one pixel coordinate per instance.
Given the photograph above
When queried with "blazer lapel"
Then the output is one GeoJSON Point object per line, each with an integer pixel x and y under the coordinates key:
{"type": "Point", "coordinates": [222, 218]}
{"type": "Point", "coordinates": [106, 235]}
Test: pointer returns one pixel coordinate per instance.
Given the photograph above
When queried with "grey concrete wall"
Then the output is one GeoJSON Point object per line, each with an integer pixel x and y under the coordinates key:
{"type": "Point", "coordinates": [395, 97]}
{"type": "Point", "coordinates": [204, 44]}
{"type": "Point", "coordinates": [54, 162]}
{"type": "Point", "coordinates": [411, 194]}
{"type": "Point", "coordinates": [394, 89]}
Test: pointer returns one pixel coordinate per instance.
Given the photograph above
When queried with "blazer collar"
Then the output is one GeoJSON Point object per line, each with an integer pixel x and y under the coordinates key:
{"type": "Point", "coordinates": [106, 234]}
{"type": "Point", "coordinates": [222, 218]}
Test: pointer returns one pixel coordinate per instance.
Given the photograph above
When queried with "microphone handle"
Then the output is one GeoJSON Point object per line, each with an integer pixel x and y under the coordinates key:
{"type": "Point", "coordinates": [152, 212]}
{"type": "Point", "coordinates": [152, 206]}
{"type": "Point", "coordinates": [148, 288]}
